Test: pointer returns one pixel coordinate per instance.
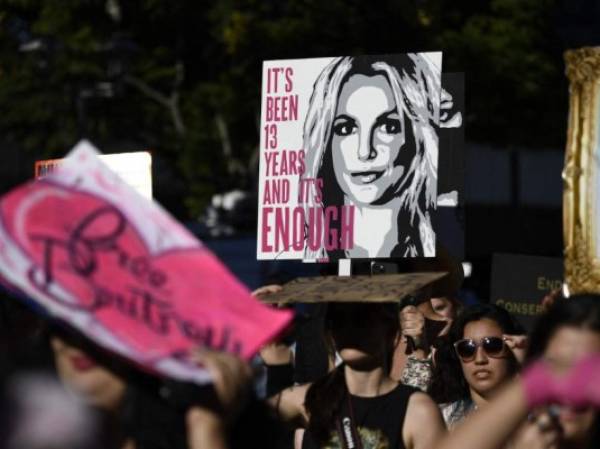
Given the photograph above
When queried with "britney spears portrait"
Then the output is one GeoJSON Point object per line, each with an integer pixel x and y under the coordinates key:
{"type": "Point", "coordinates": [366, 173]}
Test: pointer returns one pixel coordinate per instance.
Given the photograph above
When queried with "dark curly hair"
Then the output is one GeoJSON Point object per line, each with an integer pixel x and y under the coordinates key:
{"type": "Point", "coordinates": [449, 384]}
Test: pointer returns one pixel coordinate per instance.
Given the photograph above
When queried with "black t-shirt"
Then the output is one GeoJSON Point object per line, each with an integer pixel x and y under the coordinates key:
{"type": "Point", "coordinates": [379, 421]}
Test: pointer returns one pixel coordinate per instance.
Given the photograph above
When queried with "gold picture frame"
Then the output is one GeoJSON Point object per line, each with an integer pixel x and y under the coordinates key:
{"type": "Point", "coordinates": [581, 174]}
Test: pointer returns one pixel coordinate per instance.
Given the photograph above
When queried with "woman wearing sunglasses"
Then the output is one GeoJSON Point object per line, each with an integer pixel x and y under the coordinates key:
{"type": "Point", "coordinates": [475, 360]}
{"type": "Point", "coordinates": [557, 399]}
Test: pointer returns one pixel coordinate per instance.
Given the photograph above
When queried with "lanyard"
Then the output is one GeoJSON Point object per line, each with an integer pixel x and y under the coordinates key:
{"type": "Point", "coordinates": [347, 429]}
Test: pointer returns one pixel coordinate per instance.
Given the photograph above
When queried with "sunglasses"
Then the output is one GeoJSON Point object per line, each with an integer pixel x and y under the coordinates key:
{"type": "Point", "coordinates": [467, 348]}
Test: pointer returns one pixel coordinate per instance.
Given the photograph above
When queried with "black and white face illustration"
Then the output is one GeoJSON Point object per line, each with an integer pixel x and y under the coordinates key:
{"type": "Point", "coordinates": [349, 157]}
{"type": "Point", "coordinates": [366, 138]}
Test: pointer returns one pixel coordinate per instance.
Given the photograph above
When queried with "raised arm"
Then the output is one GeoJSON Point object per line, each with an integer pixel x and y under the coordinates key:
{"type": "Point", "coordinates": [423, 425]}
{"type": "Point", "coordinates": [207, 426]}
{"type": "Point", "coordinates": [492, 426]}
{"type": "Point", "coordinates": [289, 405]}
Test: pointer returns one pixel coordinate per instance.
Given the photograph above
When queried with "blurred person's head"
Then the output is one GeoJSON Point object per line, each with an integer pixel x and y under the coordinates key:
{"type": "Point", "coordinates": [112, 385]}
{"type": "Point", "coordinates": [474, 360]}
{"type": "Point", "coordinates": [128, 403]}
{"type": "Point", "coordinates": [565, 334]}
{"type": "Point", "coordinates": [37, 413]}
{"type": "Point", "coordinates": [94, 377]}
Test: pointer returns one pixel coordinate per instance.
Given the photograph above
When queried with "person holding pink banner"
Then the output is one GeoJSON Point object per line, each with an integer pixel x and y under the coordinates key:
{"type": "Point", "coordinates": [139, 411]}
{"type": "Point", "coordinates": [143, 294]}
{"type": "Point", "coordinates": [370, 137]}
{"type": "Point", "coordinates": [118, 268]}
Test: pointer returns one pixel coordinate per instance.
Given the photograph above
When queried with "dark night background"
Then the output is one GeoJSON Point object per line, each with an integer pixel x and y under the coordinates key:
{"type": "Point", "coordinates": [182, 80]}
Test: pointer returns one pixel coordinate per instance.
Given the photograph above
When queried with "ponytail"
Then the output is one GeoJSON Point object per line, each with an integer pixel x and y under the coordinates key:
{"type": "Point", "coordinates": [323, 404]}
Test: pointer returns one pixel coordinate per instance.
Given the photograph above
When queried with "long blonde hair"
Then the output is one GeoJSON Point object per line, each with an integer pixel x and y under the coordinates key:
{"type": "Point", "coordinates": [416, 86]}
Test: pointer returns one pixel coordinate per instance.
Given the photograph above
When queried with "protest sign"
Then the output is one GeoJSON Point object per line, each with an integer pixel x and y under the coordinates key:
{"type": "Point", "coordinates": [519, 283]}
{"type": "Point", "coordinates": [134, 168]}
{"type": "Point", "coordinates": [89, 250]}
{"type": "Point", "coordinates": [382, 288]}
{"type": "Point", "coordinates": [449, 217]}
{"type": "Point", "coordinates": [349, 156]}
{"type": "Point", "coordinates": [451, 167]}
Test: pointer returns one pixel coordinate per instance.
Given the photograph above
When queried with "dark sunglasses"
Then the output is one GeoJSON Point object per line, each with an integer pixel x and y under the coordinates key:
{"type": "Point", "coordinates": [467, 348]}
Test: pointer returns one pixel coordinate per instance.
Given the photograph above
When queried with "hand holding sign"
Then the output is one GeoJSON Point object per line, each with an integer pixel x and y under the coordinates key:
{"type": "Point", "coordinates": [518, 344]}
{"type": "Point", "coordinates": [412, 323]}
{"type": "Point", "coordinates": [206, 428]}
{"type": "Point", "coordinates": [91, 251]}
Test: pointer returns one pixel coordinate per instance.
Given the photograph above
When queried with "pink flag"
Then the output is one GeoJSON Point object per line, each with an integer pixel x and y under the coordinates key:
{"type": "Point", "coordinates": [91, 251]}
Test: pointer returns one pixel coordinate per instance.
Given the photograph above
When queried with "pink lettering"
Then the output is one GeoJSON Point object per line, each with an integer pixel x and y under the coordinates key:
{"type": "Point", "coordinates": [315, 228]}
{"type": "Point", "coordinates": [269, 108]}
{"type": "Point", "coordinates": [282, 109]}
{"type": "Point", "coordinates": [284, 162]}
{"type": "Point", "coordinates": [277, 191]}
{"type": "Point", "coordinates": [298, 233]}
{"type": "Point", "coordinates": [272, 79]}
{"type": "Point", "coordinates": [266, 248]}
{"type": "Point", "coordinates": [282, 229]}
{"type": "Point", "coordinates": [315, 220]}
{"type": "Point", "coordinates": [308, 187]}
{"type": "Point", "coordinates": [269, 156]}
{"type": "Point", "coordinates": [301, 163]}
{"type": "Point", "coordinates": [347, 228]}
{"type": "Point", "coordinates": [289, 72]}
{"type": "Point", "coordinates": [318, 190]}
{"type": "Point", "coordinates": [331, 237]}
{"type": "Point", "coordinates": [274, 75]}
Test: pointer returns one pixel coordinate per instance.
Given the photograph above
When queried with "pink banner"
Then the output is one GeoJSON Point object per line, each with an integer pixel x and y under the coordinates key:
{"type": "Point", "coordinates": [117, 267]}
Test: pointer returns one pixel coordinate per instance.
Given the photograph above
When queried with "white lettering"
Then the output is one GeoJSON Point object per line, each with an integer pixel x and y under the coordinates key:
{"type": "Point", "coordinates": [348, 432]}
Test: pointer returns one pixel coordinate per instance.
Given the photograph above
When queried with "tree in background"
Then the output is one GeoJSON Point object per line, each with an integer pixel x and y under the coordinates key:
{"type": "Point", "coordinates": [182, 78]}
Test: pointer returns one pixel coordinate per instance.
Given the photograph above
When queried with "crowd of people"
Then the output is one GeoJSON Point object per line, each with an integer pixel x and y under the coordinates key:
{"type": "Point", "coordinates": [434, 374]}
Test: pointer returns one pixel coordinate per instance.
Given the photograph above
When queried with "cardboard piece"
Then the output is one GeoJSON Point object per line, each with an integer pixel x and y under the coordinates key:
{"type": "Point", "coordinates": [89, 250]}
{"type": "Point", "coordinates": [519, 283]}
{"type": "Point", "coordinates": [378, 288]}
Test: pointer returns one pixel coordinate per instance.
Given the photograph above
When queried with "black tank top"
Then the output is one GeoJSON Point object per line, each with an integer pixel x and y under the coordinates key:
{"type": "Point", "coordinates": [379, 421]}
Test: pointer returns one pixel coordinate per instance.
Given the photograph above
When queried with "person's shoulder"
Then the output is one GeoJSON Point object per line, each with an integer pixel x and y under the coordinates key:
{"type": "Point", "coordinates": [405, 389]}
{"type": "Point", "coordinates": [454, 412]}
{"type": "Point", "coordinates": [421, 406]}
{"type": "Point", "coordinates": [289, 403]}
{"type": "Point", "coordinates": [422, 409]}
{"type": "Point", "coordinates": [297, 391]}
{"type": "Point", "coordinates": [301, 388]}
{"type": "Point", "coordinates": [296, 394]}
